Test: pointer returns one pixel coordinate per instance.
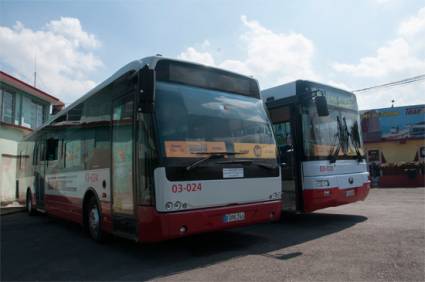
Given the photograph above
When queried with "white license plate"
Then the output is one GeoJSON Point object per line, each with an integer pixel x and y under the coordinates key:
{"type": "Point", "coordinates": [238, 216]}
{"type": "Point", "coordinates": [349, 193]}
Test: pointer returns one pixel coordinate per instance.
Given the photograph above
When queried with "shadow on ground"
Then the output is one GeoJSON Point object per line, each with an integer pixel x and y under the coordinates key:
{"type": "Point", "coordinates": [43, 248]}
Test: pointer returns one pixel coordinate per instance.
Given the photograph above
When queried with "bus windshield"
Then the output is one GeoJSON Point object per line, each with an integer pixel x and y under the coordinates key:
{"type": "Point", "coordinates": [192, 121]}
{"type": "Point", "coordinates": [336, 135]}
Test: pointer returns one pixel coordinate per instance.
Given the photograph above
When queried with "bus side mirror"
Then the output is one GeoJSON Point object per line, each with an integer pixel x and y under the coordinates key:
{"type": "Point", "coordinates": [147, 89]}
{"type": "Point", "coordinates": [321, 106]}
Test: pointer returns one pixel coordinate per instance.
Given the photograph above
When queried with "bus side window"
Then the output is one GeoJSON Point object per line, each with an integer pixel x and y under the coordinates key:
{"type": "Point", "coordinates": [52, 149]}
{"type": "Point", "coordinates": [97, 148]}
{"type": "Point", "coordinates": [73, 151]}
{"type": "Point", "coordinates": [96, 113]}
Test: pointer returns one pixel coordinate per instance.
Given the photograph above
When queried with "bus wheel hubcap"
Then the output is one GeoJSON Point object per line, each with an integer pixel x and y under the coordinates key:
{"type": "Point", "coordinates": [93, 221]}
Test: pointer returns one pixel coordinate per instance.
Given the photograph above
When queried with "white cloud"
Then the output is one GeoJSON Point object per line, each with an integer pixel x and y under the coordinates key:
{"type": "Point", "coordinates": [413, 25]}
{"type": "Point", "coordinates": [270, 57]}
{"type": "Point", "coordinates": [382, 1]}
{"type": "Point", "coordinates": [274, 58]}
{"type": "Point", "coordinates": [396, 57]}
{"type": "Point", "coordinates": [191, 54]}
{"type": "Point", "coordinates": [71, 29]}
{"type": "Point", "coordinates": [399, 58]}
{"type": "Point", "coordinates": [63, 52]}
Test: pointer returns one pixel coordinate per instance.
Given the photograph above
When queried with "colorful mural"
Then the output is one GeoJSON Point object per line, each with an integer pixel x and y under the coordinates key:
{"type": "Point", "coordinates": [396, 123]}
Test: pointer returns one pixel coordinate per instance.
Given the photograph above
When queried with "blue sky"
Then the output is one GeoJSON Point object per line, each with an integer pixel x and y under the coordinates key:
{"type": "Point", "coordinates": [350, 44]}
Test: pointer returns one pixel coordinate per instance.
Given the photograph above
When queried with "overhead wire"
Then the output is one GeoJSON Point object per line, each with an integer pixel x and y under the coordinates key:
{"type": "Point", "coordinates": [393, 84]}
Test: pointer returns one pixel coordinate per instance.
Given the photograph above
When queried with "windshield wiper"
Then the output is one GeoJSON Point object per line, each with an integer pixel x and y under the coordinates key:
{"type": "Point", "coordinates": [333, 154]}
{"type": "Point", "coordinates": [355, 140]}
{"type": "Point", "coordinates": [212, 155]}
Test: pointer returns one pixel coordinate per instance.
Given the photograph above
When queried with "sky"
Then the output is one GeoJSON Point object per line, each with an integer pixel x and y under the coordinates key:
{"type": "Point", "coordinates": [75, 45]}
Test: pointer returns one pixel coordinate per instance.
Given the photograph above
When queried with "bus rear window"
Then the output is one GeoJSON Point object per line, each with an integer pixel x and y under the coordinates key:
{"type": "Point", "coordinates": [206, 77]}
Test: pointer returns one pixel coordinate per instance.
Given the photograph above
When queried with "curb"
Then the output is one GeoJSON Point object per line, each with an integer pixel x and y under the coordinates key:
{"type": "Point", "coordinates": [13, 210]}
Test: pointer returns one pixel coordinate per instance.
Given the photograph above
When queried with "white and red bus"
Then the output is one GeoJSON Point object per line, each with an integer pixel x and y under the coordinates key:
{"type": "Point", "coordinates": [161, 149]}
{"type": "Point", "coordinates": [317, 129]}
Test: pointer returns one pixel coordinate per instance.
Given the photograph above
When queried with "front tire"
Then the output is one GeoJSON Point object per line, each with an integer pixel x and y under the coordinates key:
{"type": "Point", "coordinates": [28, 204]}
{"type": "Point", "coordinates": [94, 220]}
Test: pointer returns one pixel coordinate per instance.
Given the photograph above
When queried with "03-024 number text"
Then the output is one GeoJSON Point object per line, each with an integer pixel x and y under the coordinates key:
{"type": "Point", "coordinates": [189, 187]}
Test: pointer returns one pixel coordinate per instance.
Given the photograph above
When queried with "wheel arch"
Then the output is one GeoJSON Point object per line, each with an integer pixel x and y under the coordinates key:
{"type": "Point", "coordinates": [90, 192]}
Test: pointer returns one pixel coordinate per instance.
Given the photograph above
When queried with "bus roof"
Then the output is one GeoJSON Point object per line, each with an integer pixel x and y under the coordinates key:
{"type": "Point", "coordinates": [135, 65]}
{"type": "Point", "coordinates": [292, 89]}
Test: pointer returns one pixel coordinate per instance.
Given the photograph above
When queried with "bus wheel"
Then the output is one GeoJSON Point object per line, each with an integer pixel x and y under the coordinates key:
{"type": "Point", "coordinates": [28, 204]}
{"type": "Point", "coordinates": [94, 220]}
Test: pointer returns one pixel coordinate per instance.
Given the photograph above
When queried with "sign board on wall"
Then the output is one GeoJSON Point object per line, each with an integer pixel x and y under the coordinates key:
{"type": "Point", "coordinates": [397, 123]}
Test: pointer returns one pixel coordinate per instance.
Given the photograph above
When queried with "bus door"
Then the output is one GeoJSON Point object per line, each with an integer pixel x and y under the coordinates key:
{"type": "Point", "coordinates": [283, 126]}
{"type": "Point", "coordinates": [123, 210]}
{"type": "Point", "coordinates": [40, 171]}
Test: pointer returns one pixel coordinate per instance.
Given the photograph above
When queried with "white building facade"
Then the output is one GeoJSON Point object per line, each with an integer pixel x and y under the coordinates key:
{"type": "Point", "coordinates": [22, 109]}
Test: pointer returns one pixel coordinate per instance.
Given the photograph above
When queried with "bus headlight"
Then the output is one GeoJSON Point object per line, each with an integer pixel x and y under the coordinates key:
{"type": "Point", "coordinates": [275, 196]}
{"type": "Point", "coordinates": [169, 205]}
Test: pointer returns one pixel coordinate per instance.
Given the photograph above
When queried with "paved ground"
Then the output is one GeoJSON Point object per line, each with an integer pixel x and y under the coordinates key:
{"type": "Point", "coordinates": [382, 238]}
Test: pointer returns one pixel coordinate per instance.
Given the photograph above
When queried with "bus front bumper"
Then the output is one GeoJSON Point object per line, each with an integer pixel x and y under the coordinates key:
{"type": "Point", "coordinates": [155, 226]}
{"type": "Point", "coordinates": [315, 199]}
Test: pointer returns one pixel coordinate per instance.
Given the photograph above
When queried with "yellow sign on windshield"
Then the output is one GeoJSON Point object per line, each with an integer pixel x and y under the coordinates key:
{"type": "Point", "coordinates": [192, 149]}
{"type": "Point", "coordinates": [195, 149]}
{"type": "Point", "coordinates": [254, 150]}
{"type": "Point", "coordinates": [323, 150]}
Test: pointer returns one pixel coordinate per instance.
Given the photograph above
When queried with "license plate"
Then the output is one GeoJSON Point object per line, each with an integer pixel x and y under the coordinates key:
{"type": "Point", "coordinates": [349, 193]}
{"type": "Point", "coordinates": [238, 216]}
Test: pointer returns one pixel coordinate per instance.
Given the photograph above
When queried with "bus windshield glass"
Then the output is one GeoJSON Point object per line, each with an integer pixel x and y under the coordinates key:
{"type": "Point", "coordinates": [193, 121]}
{"type": "Point", "coordinates": [336, 136]}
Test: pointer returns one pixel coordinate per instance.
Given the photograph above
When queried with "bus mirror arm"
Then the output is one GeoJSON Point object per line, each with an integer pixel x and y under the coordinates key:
{"type": "Point", "coordinates": [321, 106]}
{"type": "Point", "coordinates": [146, 89]}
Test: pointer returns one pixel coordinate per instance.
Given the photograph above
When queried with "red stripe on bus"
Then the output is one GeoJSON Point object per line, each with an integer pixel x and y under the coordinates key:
{"type": "Point", "coordinates": [71, 208]}
{"type": "Point", "coordinates": [155, 226]}
{"type": "Point", "coordinates": [315, 199]}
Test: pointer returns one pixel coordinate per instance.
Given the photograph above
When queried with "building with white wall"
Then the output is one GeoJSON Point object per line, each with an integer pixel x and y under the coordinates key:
{"type": "Point", "coordinates": [22, 109]}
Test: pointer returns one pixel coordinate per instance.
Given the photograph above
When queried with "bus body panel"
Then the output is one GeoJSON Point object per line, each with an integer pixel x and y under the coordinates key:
{"type": "Point", "coordinates": [64, 192]}
{"type": "Point", "coordinates": [329, 185]}
{"type": "Point", "coordinates": [211, 193]}
{"type": "Point", "coordinates": [323, 167]}
{"type": "Point", "coordinates": [315, 199]}
{"type": "Point", "coordinates": [156, 226]}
